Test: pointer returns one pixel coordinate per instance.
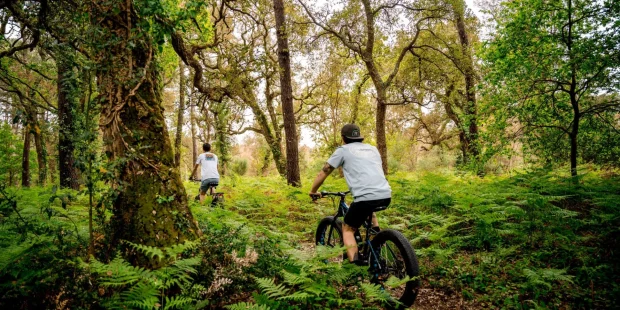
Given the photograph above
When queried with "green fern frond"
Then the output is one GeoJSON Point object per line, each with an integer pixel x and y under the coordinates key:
{"type": "Point", "coordinates": [246, 306]}
{"type": "Point", "coordinates": [149, 251]}
{"type": "Point", "coordinates": [269, 287]}
{"type": "Point", "coordinates": [295, 279]}
{"type": "Point", "coordinates": [118, 272]}
{"type": "Point", "coordinates": [182, 247]}
{"type": "Point", "coordinates": [142, 296]}
{"type": "Point", "coordinates": [394, 282]}
{"type": "Point", "coordinates": [556, 275]}
{"type": "Point", "coordinates": [177, 302]}
{"type": "Point", "coordinates": [297, 296]}
{"type": "Point", "coordinates": [374, 292]}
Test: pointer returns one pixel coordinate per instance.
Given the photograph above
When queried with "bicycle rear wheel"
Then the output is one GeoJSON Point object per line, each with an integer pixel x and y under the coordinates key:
{"type": "Point", "coordinates": [393, 263]}
{"type": "Point", "coordinates": [329, 233]}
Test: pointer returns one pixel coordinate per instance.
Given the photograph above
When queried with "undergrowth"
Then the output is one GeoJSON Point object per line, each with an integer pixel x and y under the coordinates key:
{"type": "Point", "coordinates": [534, 239]}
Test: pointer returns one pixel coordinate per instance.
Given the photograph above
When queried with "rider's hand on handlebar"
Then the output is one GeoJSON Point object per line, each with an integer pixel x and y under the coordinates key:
{"type": "Point", "coordinates": [315, 196]}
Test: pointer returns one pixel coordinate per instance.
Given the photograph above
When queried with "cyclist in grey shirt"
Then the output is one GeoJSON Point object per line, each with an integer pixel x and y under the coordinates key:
{"type": "Point", "coordinates": [361, 164]}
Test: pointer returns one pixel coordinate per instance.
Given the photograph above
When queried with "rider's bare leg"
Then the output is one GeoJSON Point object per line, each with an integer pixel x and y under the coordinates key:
{"type": "Point", "coordinates": [348, 237]}
{"type": "Point", "coordinates": [375, 222]}
{"type": "Point", "coordinates": [202, 196]}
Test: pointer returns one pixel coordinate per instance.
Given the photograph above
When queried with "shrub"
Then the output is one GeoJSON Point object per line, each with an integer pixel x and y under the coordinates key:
{"type": "Point", "coordinates": [239, 166]}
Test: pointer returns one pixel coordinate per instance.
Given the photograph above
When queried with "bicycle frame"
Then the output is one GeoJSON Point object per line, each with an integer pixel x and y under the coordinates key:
{"type": "Point", "coordinates": [366, 249]}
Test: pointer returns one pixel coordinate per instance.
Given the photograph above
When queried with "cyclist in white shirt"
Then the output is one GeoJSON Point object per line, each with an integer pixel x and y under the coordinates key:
{"type": "Point", "coordinates": [209, 175]}
{"type": "Point", "coordinates": [361, 165]}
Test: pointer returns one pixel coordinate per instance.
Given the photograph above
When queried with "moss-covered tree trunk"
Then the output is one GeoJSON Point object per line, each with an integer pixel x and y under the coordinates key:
{"type": "Point", "coordinates": [192, 119]}
{"type": "Point", "coordinates": [41, 153]}
{"type": "Point", "coordinates": [181, 112]}
{"type": "Point", "coordinates": [67, 104]}
{"type": "Point", "coordinates": [26, 158]}
{"type": "Point", "coordinates": [151, 207]}
{"type": "Point", "coordinates": [469, 143]}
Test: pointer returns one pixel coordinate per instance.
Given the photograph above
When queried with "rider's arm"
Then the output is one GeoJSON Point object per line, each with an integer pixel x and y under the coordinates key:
{"type": "Point", "coordinates": [191, 176]}
{"type": "Point", "coordinates": [327, 169]}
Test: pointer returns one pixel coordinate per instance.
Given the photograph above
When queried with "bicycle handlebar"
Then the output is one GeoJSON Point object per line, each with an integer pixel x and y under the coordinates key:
{"type": "Point", "coordinates": [325, 194]}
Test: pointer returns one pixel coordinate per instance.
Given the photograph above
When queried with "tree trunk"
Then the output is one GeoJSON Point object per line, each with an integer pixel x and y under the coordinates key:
{"type": "Point", "coordinates": [67, 104]}
{"type": "Point", "coordinates": [380, 113]}
{"type": "Point", "coordinates": [192, 119]}
{"type": "Point", "coordinates": [179, 133]}
{"type": "Point", "coordinates": [151, 206]}
{"type": "Point", "coordinates": [272, 141]}
{"type": "Point", "coordinates": [26, 158]}
{"type": "Point", "coordinates": [467, 64]}
{"type": "Point", "coordinates": [286, 90]}
{"type": "Point", "coordinates": [41, 154]}
{"type": "Point", "coordinates": [574, 133]}
{"type": "Point", "coordinates": [573, 97]}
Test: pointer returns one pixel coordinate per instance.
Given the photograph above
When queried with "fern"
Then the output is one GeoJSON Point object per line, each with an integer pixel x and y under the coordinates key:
{"type": "Point", "coordinates": [374, 292]}
{"type": "Point", "coordinates": [140, 288]}
{"type": "Point", "coordinates": [297, 296]}
{"type": "Point", "coordinates": [177, 302]}
{"type": "Point", "coordinates": [142, 296]}
{"type": "Point", "coordinates": [118, 272]}
{"type": "Point", "coordinates": [269, 288]}
{"type": "Point", "coordinates": [295, 279]}
{"type": "Point", "coordinates": [246, 306]}
{"type": "Point", "coordinates": [149, 251]}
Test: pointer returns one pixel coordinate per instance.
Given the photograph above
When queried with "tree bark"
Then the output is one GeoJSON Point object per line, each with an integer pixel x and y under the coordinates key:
{"type": "Point", "coordinates": [26, 158]}
{"type": "Point", "coordinates": [470, 109]}
{"type": "Point", "coordinates": [151, 207]}
{"type": "Point", "coordinates": [192, 119]}
{"type": "Point", "coordinates": [380, 112]}
{"type": "Point", "coordinates": [179, 133]}
{"type": "Point", "coordinates": [272, 140]}
{"type": "Point", "coordinates": [286, 91]}
{"type": "Point", "coordinates": [33, 125]}
{"type": "Point", "coordinates": [67, 104]}
{"type": "Point", "coordinates": [41, 154]}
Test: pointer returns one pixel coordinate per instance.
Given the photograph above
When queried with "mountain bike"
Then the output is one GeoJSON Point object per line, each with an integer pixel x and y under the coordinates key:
{"type": "Point", "coordinates": [217, 198]}
{"type": "Point", "coordinates": [391, 258]}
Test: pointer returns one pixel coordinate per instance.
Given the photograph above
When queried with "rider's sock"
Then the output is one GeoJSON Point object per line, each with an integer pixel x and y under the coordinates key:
{"type": "Point", "coordinates": [376, 229]}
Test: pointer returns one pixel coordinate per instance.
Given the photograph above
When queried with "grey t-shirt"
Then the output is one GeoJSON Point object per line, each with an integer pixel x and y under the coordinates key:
{"type": "Point", "coordinates": [362, 170]}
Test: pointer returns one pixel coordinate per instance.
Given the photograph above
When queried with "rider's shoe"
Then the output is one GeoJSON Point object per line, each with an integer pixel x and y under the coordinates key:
{"type": "Point", "coordinates": [361, 262]}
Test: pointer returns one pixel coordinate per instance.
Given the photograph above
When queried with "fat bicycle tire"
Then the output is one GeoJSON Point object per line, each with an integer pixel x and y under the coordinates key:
{"type": "Point", "coordinates": [409, 259]}
{"type": "Point", "coordinates": [322, 231]}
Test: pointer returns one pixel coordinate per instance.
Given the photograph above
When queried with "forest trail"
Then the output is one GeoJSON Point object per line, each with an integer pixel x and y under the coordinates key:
{"type": "Point", "coordinates": [429, 298]}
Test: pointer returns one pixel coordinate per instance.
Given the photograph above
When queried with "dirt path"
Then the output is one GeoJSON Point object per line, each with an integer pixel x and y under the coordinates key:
{"type": "Point", "coordinates": [428, 298]}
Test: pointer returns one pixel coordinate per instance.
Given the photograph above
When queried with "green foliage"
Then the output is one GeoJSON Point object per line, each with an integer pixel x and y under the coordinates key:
{"type": "Point", "coordinates": [552, 68]}
{"type": "Point", "coordinates": [10, 155]}
{"type": "Point", "coordinates": [141, 288]}
{"type": "Point", "coordinates": [239, 166]}
{"type": "Point", "coordinates": [308, 281]}
{"type": "Point", "coordinates": [38, 267]}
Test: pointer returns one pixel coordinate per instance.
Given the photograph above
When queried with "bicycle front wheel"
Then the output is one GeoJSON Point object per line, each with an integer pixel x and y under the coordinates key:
{"type": "Point", "coordinates": [329, 233]}
{"type": "Point", "coordinates": [395, 267]}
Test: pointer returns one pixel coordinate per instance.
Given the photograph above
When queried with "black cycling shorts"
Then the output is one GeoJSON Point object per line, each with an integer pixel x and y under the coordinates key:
{"type": "Point", "coordinates": [359, 211]}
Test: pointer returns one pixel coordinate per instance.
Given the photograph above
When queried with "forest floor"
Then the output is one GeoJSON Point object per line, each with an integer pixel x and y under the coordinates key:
{"type": "Point", "coordinates": [529, 240]}
{"type": "Point", "coordinates": [525, 240]}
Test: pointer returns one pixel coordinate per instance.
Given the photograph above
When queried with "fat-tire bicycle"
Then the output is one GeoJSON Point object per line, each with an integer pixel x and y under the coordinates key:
{"type": "Point", "coordinates": [217, 198]}
{"type": "Point", "coordinates": [388, 252]}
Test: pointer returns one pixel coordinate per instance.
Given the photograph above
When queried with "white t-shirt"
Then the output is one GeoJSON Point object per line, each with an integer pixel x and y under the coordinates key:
{"type": "Point", "coordinates": [208, 166]}
{"type": "Point", "coordinates": [361, 164]}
